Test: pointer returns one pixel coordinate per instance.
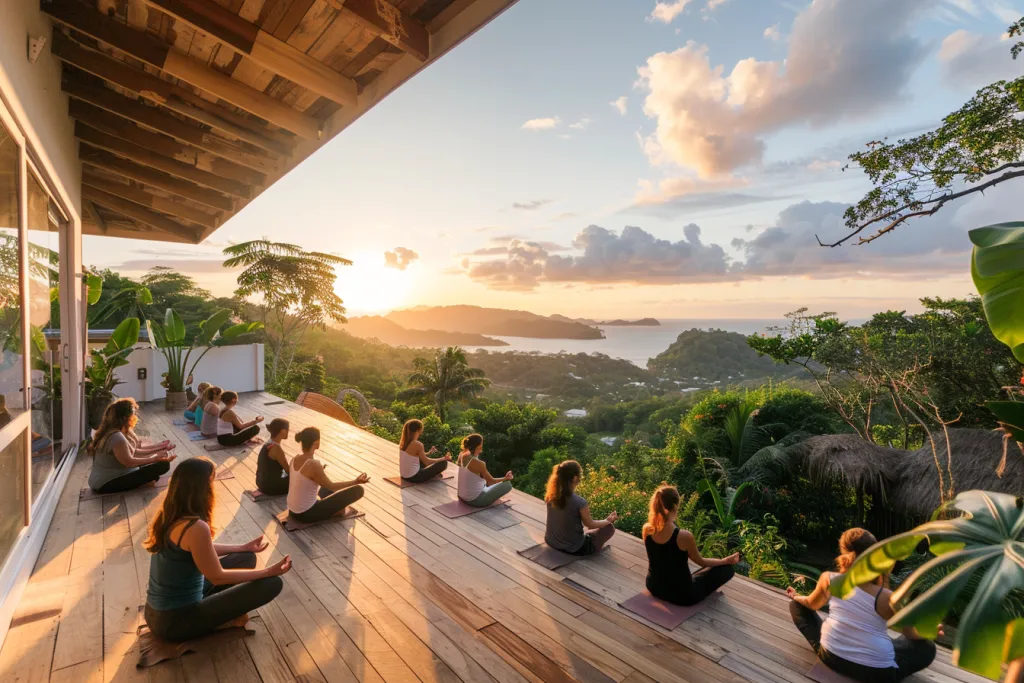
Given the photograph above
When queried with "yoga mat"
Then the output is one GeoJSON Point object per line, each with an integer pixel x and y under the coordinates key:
{"type": "Point", "coordinates": [290, 524]}
{"type": "Point", "coordinates": [822, 674]}
{"type": "Point", "coordinates": [199, 436]}
{"type": "Point", "coordinates": [273, 403]}
{"type": "Point", "coordinates": [662, 613]}
{"type": "Point", "coordinates": [457, 508]}
{"type": "Point", "coordinates": [548, 557]}
{"type": "Point", "coordinates": [257, 496]}
{"type": "Point", "coordinates": [153, 650]}
{"type": "Point", "coordinates": [191, 428]}
{"type": "Point", "coordinates": [179, 423]}
{"type": "Point", "coordinates": [403, 484]}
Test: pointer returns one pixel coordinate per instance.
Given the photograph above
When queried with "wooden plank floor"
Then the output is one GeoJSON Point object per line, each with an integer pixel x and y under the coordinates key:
{"type": "Point", "coordinates": [404, 594]}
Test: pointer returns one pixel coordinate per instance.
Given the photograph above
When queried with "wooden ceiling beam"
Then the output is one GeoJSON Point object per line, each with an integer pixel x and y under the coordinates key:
{"type": "Point", "coordinates": [109, 30]}
{"type": "Point", "coordinates": [271, 53]}
{"type": "Point", "coordinates": [138, 213]}
{"type": "Point", "coordinates": [166, 94]}
{"type": "Point", "coordinates": [400, 29]}
{"type": "Point", "coordinates": [152, 201]}
{"type": "Point", "coordinates": [101, 120]}
{"type": "Point", "coordinates": [147, 176]}
{"type": "Point", "coordinates": [153, 159]}
{"type": "Point", "coordinates": [90, 210]}
{"type": "Point", "coordinates": [159, 120]}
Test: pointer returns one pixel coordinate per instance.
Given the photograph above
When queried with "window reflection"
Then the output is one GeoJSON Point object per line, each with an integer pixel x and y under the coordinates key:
{"type": "Point", "coordinates": [12, 378]}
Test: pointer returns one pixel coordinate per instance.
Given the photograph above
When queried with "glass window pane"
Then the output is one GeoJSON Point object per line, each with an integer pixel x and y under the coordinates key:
{"type": "Point", "coordinates": [44, 322]}
{"type": "Point", "coordinates": [12, 377]}
{"type": "Point", "coordinates": [12, 494]}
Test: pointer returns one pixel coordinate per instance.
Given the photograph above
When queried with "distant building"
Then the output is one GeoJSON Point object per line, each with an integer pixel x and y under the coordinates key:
{"type": "Point", "coordinates": [608, 440]}
{"type": "Point", "coordinates": [574, 413]}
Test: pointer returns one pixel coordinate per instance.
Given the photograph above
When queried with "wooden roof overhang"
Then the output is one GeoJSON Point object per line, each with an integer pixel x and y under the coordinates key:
{"type": "Point", "coordinates": [186, 110]}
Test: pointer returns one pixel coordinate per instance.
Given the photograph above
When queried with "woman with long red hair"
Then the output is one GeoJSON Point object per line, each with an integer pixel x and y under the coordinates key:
{"type": "Point", "coordinates": [196, 585]}
{"type": "Point", "coordinates": [669, 550]}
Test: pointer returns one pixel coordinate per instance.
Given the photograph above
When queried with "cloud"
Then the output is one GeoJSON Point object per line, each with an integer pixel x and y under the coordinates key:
{"type": "Point", "coordinates": [620, 105]}
{"type": "Point", "coordinates": [842, 63]}
{"type": "Point", "coordinates": [531, 205]}
{"type": "Point", "coordinates": [503, 249]}
{"type": "Point", "coordinates": [633, 256]}
{"type": "Point", "coordinates": [824, 165]}
{"type": "Point", "coordinates": [970, 61]}
{"type": "Point", "coordinates": [666, 12]}
{"type": "Point", "coordinates": [565, 215]}
{"type": "Point", "coordinates": [542, 124]}
{"type": "Point", "coordinates": [400, 258]}
{"type": "Point", "coordinates": [672, 188]}
{"type": "Point", "coordinates": [713, 5]}
{"type": "Point", "coordinates": [581, 124]}
{"type": "Point", "coordinates": [772, 32]}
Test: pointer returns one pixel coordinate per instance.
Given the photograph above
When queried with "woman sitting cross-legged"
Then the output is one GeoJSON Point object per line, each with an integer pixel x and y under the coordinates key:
{"type": "Point", "coordinates": [272, 463]}
{"type": "Point", "coordinates": [194, 412]}
{"type": "Point", "coordinates": [854, 640]}
{"type": "Point", "coordinates": [231, 431]}
{"type": "Point", "coordinates": [669, 550]}
{"type": "Point", "coordinates": [476, 485]}
{"type": "Point", "coordinates": [196, 585]}
{"type": "Point", "coordinates": [211, 411]}
{"type": "Point", "coordinates": [569, 513]}
{"type": "Point", "coordinates": [117, 466]}
{"type": "Point", "coordinates": [414, 461]}
{"type": "Point", "coordinates": [312, 495]}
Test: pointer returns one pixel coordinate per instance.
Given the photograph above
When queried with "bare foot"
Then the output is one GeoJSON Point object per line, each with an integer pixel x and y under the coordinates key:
{"type": "Point", "coordinates": [346, 512]}
{"type": "Point", "coordinates": [256, 440]}
{"type": "Point", "coordinates": [235, 623]}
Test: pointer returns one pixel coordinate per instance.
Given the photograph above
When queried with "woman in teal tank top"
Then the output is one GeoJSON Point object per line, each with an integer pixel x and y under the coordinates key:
{"type": "Point", "coordinates": [196, 585]}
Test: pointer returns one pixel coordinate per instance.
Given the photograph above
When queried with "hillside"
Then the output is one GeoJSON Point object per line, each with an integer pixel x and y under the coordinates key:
{"type": "Point", "coordinates": [393, 334]}
{"type": "Point", "coordinates": [492, 321]}
{"type": "Point", "coordinates": [715, 356]}
{"type": "Point", "coordinates": [642, 322]}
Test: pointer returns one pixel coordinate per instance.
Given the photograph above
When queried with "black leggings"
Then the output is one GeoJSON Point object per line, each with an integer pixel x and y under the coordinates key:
{"type": "Point", "coordinates": [133, 480]}
{"type": "Point", "coordinates": [702, 584]}
{"type": "Point", "coordinates": [239, 437]}
{"type": "Point", "coordinates": [330, 504]}
{"type": "Point", "coordinates": [428, 473]}
{"type": "Point", "coordinates": [912, 655]}
{"type": "Point", "coordinates": [220, 604]}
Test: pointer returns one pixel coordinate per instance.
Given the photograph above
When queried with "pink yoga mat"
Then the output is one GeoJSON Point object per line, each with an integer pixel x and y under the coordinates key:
{"type": "Point", "coordinates": [289, 524]}
{"type": "Point", "coordinates": [257, 496]}
{"type": "Point", "coordinates": [548, 557]}
{"type": "Point", "coordinates": [822, 674]}
{"type": "Point", "coordinates": [457, 508]}
{"type": "Point", "coordinates": [403, 484]}
{"type": "Point", "coordinates": [662, 613]}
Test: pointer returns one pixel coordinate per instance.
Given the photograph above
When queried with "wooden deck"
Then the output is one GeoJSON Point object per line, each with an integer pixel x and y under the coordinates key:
{"type": "Point", "coordinates": [404, 594]}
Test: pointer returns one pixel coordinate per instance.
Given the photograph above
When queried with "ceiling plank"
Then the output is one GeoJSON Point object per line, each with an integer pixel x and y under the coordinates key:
{"type": "Point", "coordinates": [166, 94]}
{"type": "Point", "coordinates": [90, 209]}
{"type": "Point", "coordinates": [159, 120]}
{"type": "Point", "coordinates": [263, 48]}
{"type": "Point", "coordinates": [109, 30]}
{"type": "Point", "coordinates": [147, 176]}
{"type": "Point", "coordinates": [161, 144]}
{"type": "Point", "coordinates": [153, 159]}
{"type": "Point", "coordinates": [152, 201]}
{"type": "Point", "coordinates": [407, 34]}
{"type": "Point", "coordinates": [140, 214]}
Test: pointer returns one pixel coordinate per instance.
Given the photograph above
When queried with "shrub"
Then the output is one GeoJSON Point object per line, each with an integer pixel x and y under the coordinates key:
{"type": "Point", "coordinates": [605, 494]}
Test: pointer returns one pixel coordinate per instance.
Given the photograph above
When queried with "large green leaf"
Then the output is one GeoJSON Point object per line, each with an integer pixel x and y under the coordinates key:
{"type": "Point", "coordinates": [988, 536]}
{"type": "Point", "coordinates": [126, 334]}
{"type": "Point", "coordinates": [1010, 415]}
{"type": "Point", "coordinates": [174, 328]}
{"type": "Point", "coordinates": [95, 287]}
{"type": "Point", "coordinates": [209, 327]}
{"type": "Point", "coordinates": [997, 266]}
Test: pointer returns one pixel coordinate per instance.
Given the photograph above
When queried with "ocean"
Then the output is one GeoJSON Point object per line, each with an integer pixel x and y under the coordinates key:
{"type": "Point", "coordinates": [635, 344]}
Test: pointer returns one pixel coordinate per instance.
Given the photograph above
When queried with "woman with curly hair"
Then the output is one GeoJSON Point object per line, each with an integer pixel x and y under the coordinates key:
{"type": "Point", "coordinates": [117, 464]}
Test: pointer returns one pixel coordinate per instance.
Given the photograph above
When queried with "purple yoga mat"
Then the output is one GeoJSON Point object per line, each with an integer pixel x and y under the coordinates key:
{"type": "Point", "coordinates": [548, 557]}
{"type": "Point", "coordinates": [662, 613]}
{"type": "Point", "coordinates": [257, 496]}
{"type": "Point", "coordinates": [457, 508]}
{"type": "Point", "coordinates": [822, 674]}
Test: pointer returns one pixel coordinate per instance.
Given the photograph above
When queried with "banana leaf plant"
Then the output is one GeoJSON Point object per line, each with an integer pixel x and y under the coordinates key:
{"type": "Point", "coordinates": [725, 508]}
{"type": "Point", "coordinates": [100, 379]}
{"type": "Point", "coordinates": [171, 338]}
{"type": "Point", "coordinates": [986, 537]}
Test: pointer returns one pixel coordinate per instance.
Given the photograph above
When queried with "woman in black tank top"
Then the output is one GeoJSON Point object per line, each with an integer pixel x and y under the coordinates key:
{"type": "Point", "coordinates": [272, 463]}
{"type": "Point", "coordinates": [668, 569]}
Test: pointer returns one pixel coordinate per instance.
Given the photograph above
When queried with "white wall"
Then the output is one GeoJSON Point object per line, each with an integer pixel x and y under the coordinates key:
{"type": "Point", "coordinates": [233, 368]}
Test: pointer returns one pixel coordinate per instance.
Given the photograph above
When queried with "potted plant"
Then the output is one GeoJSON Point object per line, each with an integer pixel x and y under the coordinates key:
{"type": "Point", "coordinates": [99, 375]}
{"type": "Point", "coordinates": [170, 338]}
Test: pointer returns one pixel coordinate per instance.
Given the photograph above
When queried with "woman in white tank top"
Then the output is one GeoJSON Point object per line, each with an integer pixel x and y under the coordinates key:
{"type": "Point", "coordinates": [414, 462]}
{"type": "Point", "coordinates": [476, 485]}
{"type": "Point", "coordinates": [854, 639]}
{"type": "Point", "coordinates": [312, 495]}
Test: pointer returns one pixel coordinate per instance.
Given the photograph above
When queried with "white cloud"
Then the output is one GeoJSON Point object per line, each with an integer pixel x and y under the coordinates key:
{"type": "Point", "coordinates": [970, 61]}
{"type": "Point", "coordinates": [966, 6]}
{"type": "Point", "coordinates": [542, 124]}
{"type": "Point", "coordinates": [531, 205]}
{"type": "Point", "coordinates": [824, 165]}
{"type": "Point", "coordinates": [772, 32]}
{"type": "Point", "coordinates": [620, 105]}
{"type": "Point", "coordinates": [714, 4]}
{"type": "Point", "coordinates": [1002, 10]}
{"type": "Point", "coordinates": [669, 189]}
{"type": "Point", "coordinates": [842, 63]}
{"type": "Point", "coordinates": [581, 124]}
{"type": "Point", "coordinates": [400, 258]}
{"type": "Point", "coordinates": [666, 12]}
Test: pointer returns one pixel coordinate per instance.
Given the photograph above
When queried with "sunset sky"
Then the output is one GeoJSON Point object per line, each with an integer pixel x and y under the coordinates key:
{"type": "Point", "coordinates": [628, 158]}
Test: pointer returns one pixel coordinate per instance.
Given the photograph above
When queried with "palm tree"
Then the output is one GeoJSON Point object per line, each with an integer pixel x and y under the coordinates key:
{"type": "Point", "coordinates": [447, 377]}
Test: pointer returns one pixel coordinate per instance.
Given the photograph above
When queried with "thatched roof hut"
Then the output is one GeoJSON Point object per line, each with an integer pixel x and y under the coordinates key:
{"type": "Point", "coordinates": [908, 480]}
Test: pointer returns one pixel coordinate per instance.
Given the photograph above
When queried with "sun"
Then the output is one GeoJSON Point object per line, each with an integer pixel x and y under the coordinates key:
{"type": "Point", "coordinates": [368, 288]}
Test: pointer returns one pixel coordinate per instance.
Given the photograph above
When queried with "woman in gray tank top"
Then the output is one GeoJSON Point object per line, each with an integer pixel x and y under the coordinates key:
{"type": "Point", "coordinates": [117, 466]}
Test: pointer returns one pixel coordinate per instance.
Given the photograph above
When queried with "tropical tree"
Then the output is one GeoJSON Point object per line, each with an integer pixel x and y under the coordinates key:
{"type": "Point", "coordinates": [446, 377]}
{"type": "Point", "coordinates": [296, 291]}
{"type": "Point", "coordinates": [128, 302]}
